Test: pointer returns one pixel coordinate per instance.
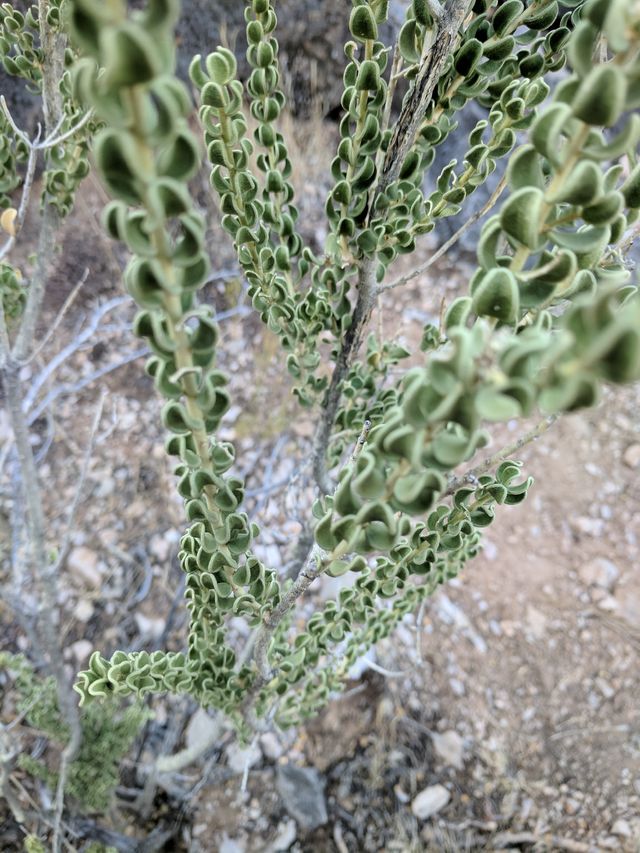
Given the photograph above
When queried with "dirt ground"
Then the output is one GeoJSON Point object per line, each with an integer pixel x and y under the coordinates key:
{"type": "Point", "coordinates": [516, 700]}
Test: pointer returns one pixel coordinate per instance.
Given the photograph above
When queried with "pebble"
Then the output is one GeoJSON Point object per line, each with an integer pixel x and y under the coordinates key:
{"type": "Point", "coordinates": [494, 627]}
{"type": "Point", "coordinates": [151, 629]}
{"type": "Point", "coordinates": [588, 526]}
{"type": "Point", "coordinates": [201, 728]}
{"type": "Point", "coordinates": [81, 650]}
{"type": "Point", "coordinates": [271, 746]}
{"type": "Point", "coordinates": [631, 456]}
{"type": "Point", "coordinates": [286, 834]}
{"type": "Point", "coordinates": [239, 758]}
{"type": "Point", "coordinates": [608, 603]}
{"type": "Point", "coordinates": [621, 827]}
{"type": "Point", "coordinates": [83, 566]}
{"type": "Point", "coordinates": [509, 627]}
{"type": "Point", "coordinates": [449, 746]}
{"type": "Point", "coordinates": [536, 622]}
{"type": "Point", "coordinates": [599, 572]}
{"type": "Point", "coordinates": [160, 547]}
{"type": "Point", "coordinates": [302, 792]}
{"type": "Point", "coordinates": [83, 611]}
{"type": "Point", "coordinates": [430, 801]}
{"type": "Point", "coordinates": [231, 845]}
{"type": "Point", "coordinates": [605, 688]}
{"type": "Point", "coordinates": [627, 602]}
{"type": "Point", "coordinates": [457, 686]}
{"type": "Point", "coordinates": [571, 806]}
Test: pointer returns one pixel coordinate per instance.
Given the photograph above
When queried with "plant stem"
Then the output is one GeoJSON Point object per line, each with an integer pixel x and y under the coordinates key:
{"type": "Point", "coordinates": [350, 345]}
{"type": "Point", "coordinates": [491, 461]}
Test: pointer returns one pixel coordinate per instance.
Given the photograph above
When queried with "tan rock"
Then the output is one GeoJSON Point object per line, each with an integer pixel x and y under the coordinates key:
{"type": "Point", "coordinates": [449, 746]}
{"type": "Point", "coordinates": [628, 601]}
{"type": "Point", "coordinates": [430, 801]}
{"type": "Point", "coordinates": [81, 650]}
{"type": "Point", "coordinates": [631, 456]}
{"type": "Point", "coordinates": [599, 572]}
{"type": "Point", "coordinates": [84, 566]}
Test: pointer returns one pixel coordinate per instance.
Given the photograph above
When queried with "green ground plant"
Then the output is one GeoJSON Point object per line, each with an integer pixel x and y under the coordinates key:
{"type": "Point", "coordinates": [550, 315]}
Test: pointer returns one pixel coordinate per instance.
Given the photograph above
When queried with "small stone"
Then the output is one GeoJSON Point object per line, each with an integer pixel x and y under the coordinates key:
{"type": "Point", "coordinates": [400, 793]}
{"type": "Point", "coordinates": [449, 746]}
{"type": "Point", "coordinates": [571, 806]}
{"type": "Point", "coordinates": [104, 487]}
{"type": "Point", "coordinates": [631, 456]}
{"type": "Point", "coordinates": [622, 826]}
{"type": "Point", "coordinates": [457, 686]}
{"type": "Point", "coordinates": [509, 628]}
{"type": "Point", "coordinates": [430, 801]}
{"type": "Point", "coordinates": [302, 792]}
{"type": "Point", "coordinates": [588, 526]}
{"type": "Point", "coordinates": [286, 834]}
{"type": "Point", "coordinates": [84, 568]}
{"type": "Point", "coordinates": [231, 845]}
{"type": "Point", "coordinates": [239, 758]}
{"type": "Point", "coordinates": [201, 729]}
{"type": "Point", "coordinates": [605, 688]}
{"type": "Point", "coordinates": [536, 622]}
{"type": "Point", "coordinates": [151, 629]}
{"type": "Point", "coordinates": [271, 746]}
{"type": "Point", "coordinates": [160, 548]}
{"type": "Point", "coordinates": [608, 603]}
{"type": "Point", "coordinates": [83, 610]}
{"type": "Point", "coordinates": [81, 650]}
{"type": "Point", "coordinates": [599, 572]}
{"type": "Point", "coordinates": [627, 602]}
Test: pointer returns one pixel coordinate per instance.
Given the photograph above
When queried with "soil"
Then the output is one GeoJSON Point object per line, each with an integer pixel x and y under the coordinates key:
{"type": "Point", "coordinates": [519, 691]}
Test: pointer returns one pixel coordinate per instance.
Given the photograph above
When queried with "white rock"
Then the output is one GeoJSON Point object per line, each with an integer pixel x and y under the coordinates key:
{"type": "Point", "coordinates": [151, 629]}
{"type": "Point", "coordinates": [231, 845]}
{"type": "Point", "coordinates": [588, 526]}
{"type": "Point", "coordinates": [271, 746]}
{"type": "Point", "coordinates": [457, 686]}
{"type": "Point", "coordinates": [449, 746]}
{"type": "Point", "coordinates": [605, 688]}
{"type": "Point", "coordinates": [285, 836]}
{"type": "Point", "coordinates": [536, 622]}
{"type": "Point", "coordinates": [621, 827]}
{"type": "Point", "coordinates": [239, 758]}
{"type": "Point", "coordinates": [160, 547]}
{"type": "Point", "coordinates": [599, 572]}
{"type": "Point", "coordinates": [201, 729]}
{"type": "Point", "coordinates": [83, 611]}
{"type": "Point", "coordinates": [609, 603]}
{"type": "Point", "coordinates": [627, 602]}
{"type": "Point", "coordinates": [430, 801]}
{"type": "Point", "coordinates": [632, 456]}
{"type": "Point", "coordinates": [84, 567]}
{"type": "Point", "coordinates": [81, 650]}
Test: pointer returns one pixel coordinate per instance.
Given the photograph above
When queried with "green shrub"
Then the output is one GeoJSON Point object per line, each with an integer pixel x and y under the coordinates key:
{"type": "Point", "coordinates": [550, 314]}
{"type": "Point", "coordinates": [107, 736]}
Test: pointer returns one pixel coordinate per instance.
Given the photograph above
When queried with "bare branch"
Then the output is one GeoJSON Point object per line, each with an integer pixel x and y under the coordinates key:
{"type": "Point", "coordinates": [404, 135]}
{"type": "Point", "coordinates": [85, 335]}
{"type": "Point", "coordinates": [35, 294]}
{"type": "Point", "coordinates": [416, 105]}
{"type": "Point", "coordinates": [53, 140]}
{"type": "Point", "coordinates": [469, 223]}
{"type": "Point", "coordinates": [350, 345]}
{"type": "Point", "coordinates": [24, 201]}
{"type": "Point", "coordinates": [84, 470]}
{"type": "Point", "coordinates": [491, 462]}
{"type": "Point", "coordinates": [61, 314]}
